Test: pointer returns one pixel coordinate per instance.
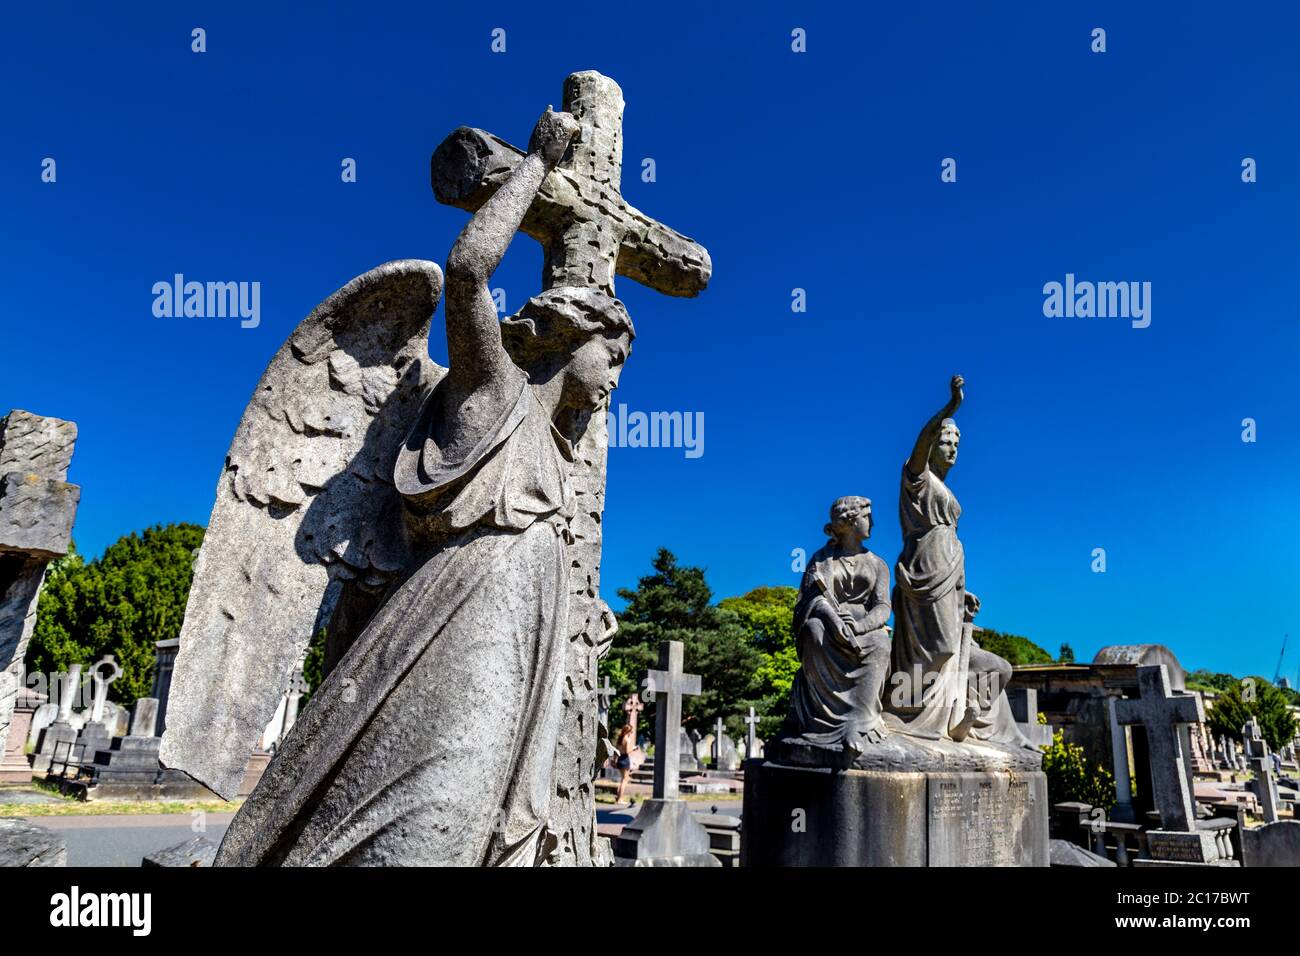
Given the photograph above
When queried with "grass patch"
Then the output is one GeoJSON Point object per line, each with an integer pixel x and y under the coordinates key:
{"type": "Point", "coordinates": [126, 808]}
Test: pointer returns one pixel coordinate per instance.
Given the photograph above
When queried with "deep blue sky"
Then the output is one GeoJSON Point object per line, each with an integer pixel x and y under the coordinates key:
{"type": "Point", "coordinates": [818, 171]}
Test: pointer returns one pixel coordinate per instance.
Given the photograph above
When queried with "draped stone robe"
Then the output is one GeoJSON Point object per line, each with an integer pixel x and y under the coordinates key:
{"type": "Point", "coordinates": [929, 623]}
{"type": "Point", "coordinates": [835, 698]}
{"type": "Point", "coordinates": [432, 741]}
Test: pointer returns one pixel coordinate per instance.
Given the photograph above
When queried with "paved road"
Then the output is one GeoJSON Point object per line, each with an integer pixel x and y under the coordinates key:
{"type": "Point", "coordinates": [125, 840]}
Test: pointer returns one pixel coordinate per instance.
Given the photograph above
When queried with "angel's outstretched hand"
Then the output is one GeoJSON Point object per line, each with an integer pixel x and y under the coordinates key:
{"type": "Point", "coordinates": [552, 136]}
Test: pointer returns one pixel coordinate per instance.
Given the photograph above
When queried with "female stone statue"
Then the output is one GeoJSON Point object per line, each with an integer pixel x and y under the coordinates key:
{"type": "Point", "coordinates": [945, 685]}
{"type": "Point", "coordinates": [843, 645]}
{"type": "Point", "coordinates": [432, 740]}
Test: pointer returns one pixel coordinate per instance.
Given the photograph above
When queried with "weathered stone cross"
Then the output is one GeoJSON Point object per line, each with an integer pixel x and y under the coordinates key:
{"type": "Point", "coordinates": [1162, 712]}
{"type": "Point", "coordinates": [1264, 786]}
{"type": "Point", "coordinates": [751, 741]}
{"type": "Point", "coordinates": [588, 234]}
{"type": "Point", "coordinates": [717, 744]}
{"type": "Point", "coordinates": [587, 230]}
{"type": "Point", "coordinates": [604, 692]}
{"type": "Point", "coordinates": [633, 707]}
{"type": "Point", "coordinates": [665, 687]}
{"type": "Point", "coordinates": [1253, 739]}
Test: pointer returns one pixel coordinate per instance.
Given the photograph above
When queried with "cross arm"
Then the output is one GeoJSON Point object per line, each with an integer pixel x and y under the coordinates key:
{"type": "Point", "coordinates": [688, 685]}
{"type": "Point", "coordinates": [470, 165]}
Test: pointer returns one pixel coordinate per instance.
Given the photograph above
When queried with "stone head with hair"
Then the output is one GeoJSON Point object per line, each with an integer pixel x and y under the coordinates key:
{"type": "Point", "coordinates": [580, 333]}
{"type": "Point", "coordinates": [850, 518]}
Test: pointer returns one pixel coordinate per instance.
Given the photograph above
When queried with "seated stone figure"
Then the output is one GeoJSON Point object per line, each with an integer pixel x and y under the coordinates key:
{"type": "Point", "coordinates": [842, 641]}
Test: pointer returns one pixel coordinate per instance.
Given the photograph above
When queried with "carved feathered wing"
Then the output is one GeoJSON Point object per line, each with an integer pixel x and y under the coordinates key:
{"type": "Point", "coordinates": [305, 502]}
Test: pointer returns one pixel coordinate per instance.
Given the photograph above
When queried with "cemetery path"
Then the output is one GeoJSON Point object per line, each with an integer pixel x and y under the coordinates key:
{"type": "Point", "coordinates": [126, 840]}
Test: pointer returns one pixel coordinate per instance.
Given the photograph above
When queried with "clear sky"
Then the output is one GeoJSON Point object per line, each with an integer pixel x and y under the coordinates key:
{"type": "Point", "coordinates": [818, 171]}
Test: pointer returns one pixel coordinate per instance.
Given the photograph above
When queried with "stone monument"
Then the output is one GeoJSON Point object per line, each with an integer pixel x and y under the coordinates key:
{"type": "Point", "coordinates": [57, 741]}
{"type": "Point", "coordinates": [901, 752]}
{"type": "Point", "coordinates": [360, 464]}
{"type": "Point", "coordinates": [1264, 783]}
{"type": "Point", "coordinates": [1165, 714]}
{"type": "Point", "coordinates": [15, 767]}
{"type": "Point", "coordinates": [37, 508]}
{"type": "Point", "coordinates": [664, 833]}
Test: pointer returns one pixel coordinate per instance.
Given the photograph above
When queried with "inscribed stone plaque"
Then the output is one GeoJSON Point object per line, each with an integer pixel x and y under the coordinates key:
{"type": "Point", "coordinates": [987, 819]}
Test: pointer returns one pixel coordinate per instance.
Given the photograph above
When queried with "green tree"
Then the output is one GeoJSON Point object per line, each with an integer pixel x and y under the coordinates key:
{"type": "Point", "coordinates": [767, 615]}
{"type": "Point", "coordinates": [1066, 654]}
{"type": "Point", "coordinates": [1210, 680]}
{"type": "Point", "coordinates": [673, 604]}
{"type": "Point", "coordinates": [121, 603]}
{"type": "Point", "coordinates": [1012, 648]}
{"type": "Point", "coordinates": [1253, 697]}
{"type": "Point", "coordinates": [1069, 778]}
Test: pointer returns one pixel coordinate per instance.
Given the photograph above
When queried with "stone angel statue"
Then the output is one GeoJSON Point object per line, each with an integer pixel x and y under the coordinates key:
{"type": "Point", "coordinates": [421, 515]}
{"type": "Point", "coordinates": [958, 688]}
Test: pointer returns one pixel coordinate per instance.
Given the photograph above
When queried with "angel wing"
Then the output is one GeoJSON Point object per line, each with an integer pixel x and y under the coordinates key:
{"type": "Point", "coordinates": [305, 502]}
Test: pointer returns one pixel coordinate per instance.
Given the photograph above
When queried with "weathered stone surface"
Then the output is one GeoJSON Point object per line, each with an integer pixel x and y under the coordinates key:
{"type": "Point", "coordinates": [798, 816]}
{"type": "Point", "coordinates": [35, 444]}
{"type": "Point", "coordinates": [37, 509]}
{"type": "Point", "coordinates": [144, 719]}
{"type": "Point", "coordinates": [312, 516]}
{"type": "Point", "coordinates": [663, 833]}
{"type": "Point", "coordinates": [14, 766]}
{"type": "Point", "coordinates": [198, 852]}
{"type": "Point", "coordinates": [1162, 712]}
{"type": "Point", "coordinates": [1276, 844]}
{"type": "Point", "coordinates": [1065, 853]}
{"type": "Point", "coordinates": [983, 819]}
{"type": "Point", "coordinates": [36, 514]}
{"type": "Point", "coordinates": [26, 844]}
{"type": "Point", "coordinates": [589, 235]}
{"type": "Point", "coordinates": [843, 644]}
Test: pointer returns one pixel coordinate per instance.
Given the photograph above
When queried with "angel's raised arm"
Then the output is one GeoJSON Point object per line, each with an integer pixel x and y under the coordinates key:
{"type": "Point", "coordinates": [920, 457]}
{"type": "Point", "coordinates": [473, 332]}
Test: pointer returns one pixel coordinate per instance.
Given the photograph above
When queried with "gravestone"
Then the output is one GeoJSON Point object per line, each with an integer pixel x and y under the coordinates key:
{"type": "Point", "coordinates": [604, 694]}
{"type": "Point", "coordinates": [37, 509]}
{"type": "Point", "coordinates": [1024, 708]}
{"type": "Point", "coordinates": [97, 732]}
{"type": "Point", "coordinates": [1162, 713]}
{"type": "Point", "coordinates": [128, 768]}
{"type": "Point", "coordinates": [688, 747]}
{"type": "Point", "coordinates": [632, 707]}
{"type": "Point", "coordinates": [14, 766]}
{"type": "Point", "coordinates": [164, 666]}
{"type": "Point", "coordinates": [58, 739]}
{"type": "Point", "coordinates": [1260, 761]}
{"type": "Point", "coordinates": [45, 715]}
{"type": "Point", "coordinates": [703, 746]}
{"type": "Point", "coordinates": [724, 754]}
{"type": "Point", "coordinates": [753, 748]}
{"type": "Point", "coordinates": [664, 833]}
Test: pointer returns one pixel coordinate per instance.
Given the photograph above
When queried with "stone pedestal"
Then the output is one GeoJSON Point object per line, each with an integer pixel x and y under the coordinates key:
{"type": "Point", "coordinates": [14, 766]}
{"type": "Point", "coordinates": [664, 833]}
{"type": "Point", "coordinates": [808, 816]}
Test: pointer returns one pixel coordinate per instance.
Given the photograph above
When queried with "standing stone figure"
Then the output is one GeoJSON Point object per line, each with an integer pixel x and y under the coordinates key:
{"type": "Point", "coordinates": [432, 740]}
{"type": "Point", "coordinates": [842, 641]}
{"type": "Point", "coordinates": [950, 687]}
